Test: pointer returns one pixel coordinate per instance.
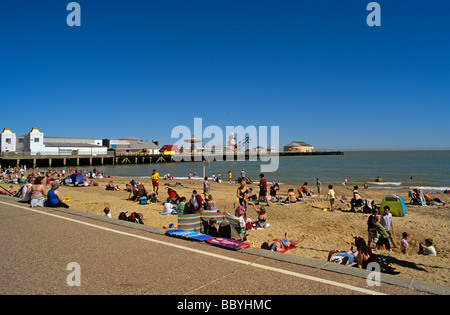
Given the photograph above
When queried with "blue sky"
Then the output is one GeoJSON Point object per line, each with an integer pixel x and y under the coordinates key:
{"type": "Point", "coordinates": [313, 68]}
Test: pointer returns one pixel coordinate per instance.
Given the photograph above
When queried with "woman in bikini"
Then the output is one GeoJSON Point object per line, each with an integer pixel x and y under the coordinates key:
{"type": "Point", "coordinates": [242, 193]}
{"type": "Point", "coordinates": [281, 243]}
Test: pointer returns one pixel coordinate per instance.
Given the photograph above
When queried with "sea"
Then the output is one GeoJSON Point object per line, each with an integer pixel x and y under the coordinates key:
{"type": "Point", "coordinates": [428, 170]}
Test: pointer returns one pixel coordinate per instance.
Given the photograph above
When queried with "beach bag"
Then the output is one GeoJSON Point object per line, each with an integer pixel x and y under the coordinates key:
{"type": "Point", "coordinates": [143, 200]}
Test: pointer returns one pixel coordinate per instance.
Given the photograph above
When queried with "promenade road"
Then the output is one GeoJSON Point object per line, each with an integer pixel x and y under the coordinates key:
{"type": "Point", "coordinates": [117, 257]}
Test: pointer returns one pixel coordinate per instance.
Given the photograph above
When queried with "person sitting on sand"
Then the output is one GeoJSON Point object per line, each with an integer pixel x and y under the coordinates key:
{"type": "Point", "coordinates": [182, 207]}
{"type": "Point", "coordinates": [281, 243]}
{"type": "Point", "coordinates": [262, 216]}
{"type": "Point", "coordinates": [356, 201]}
{"type": "Point", "coordinates": [347, 257]}
{"type": "Point", "coordinates": [9, 191]}
{"type": "Point", "coordinates": [303, 191]}
{"type": "Point", "coordinates": [111, 186]}
{"type": "Point", "coordinates": [107, 212]}
{"type": "Point", "coordinates": [54, 198]}
{"type": "Point", "coordinates": [153, 198]}
{"type": "Point", "coordinates": [211, 228]}
{"type": "Point", "coordinates": [241, 215]}
{"type": "Point", "coordinates": [428, 248]}
{"type": "Point", "coordinates": [173, 196]}
{"type": "Point", "coordinates": [38, 193]}
{"type": "Point", "coordinates": [196, 202]}
{"type": "Point", "coordinates": [210, 204]}
{"type": "Point", "coordinates": [404, 246]}
{"type": "Point", "coordinates": [291, 198]}
{"type": "Point", "coordinates": [364, 257]}
{"type": "Point", "coordinates": [273, 191]}
{"type": "Point", "coordinates": [169, 208]}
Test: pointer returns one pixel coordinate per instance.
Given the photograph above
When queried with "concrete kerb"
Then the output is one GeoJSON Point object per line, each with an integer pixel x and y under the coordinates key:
{"type": "Point", "coordinates": [418, 285]}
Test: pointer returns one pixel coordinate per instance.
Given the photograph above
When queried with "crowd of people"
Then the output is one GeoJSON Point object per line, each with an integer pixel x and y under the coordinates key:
{"type": "Point", "coordinates": [40, 188]}
{"type": "Point", "coordinates": [34, 184]}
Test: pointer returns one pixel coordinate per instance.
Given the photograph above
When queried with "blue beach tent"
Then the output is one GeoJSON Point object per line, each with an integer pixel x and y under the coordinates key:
{"type": "Point", "coordinates": [396, 205]}
{"type": "Point", "coordinates": [77, 178]}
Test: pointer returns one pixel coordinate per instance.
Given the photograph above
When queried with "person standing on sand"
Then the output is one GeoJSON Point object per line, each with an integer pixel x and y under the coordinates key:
{"type": "Point", "coordinates": [319, 186]}
{"type": "Point", "coordinates": [155, 181]}
{"type": "Point", "coordinates": [386, 222]}
{"type": "Point", "coordinates": [206, 187]}
{"type": "Point", "coordinates": [243, 193]}
{"type": "Point", "coordinates": [331, 196]}
{"type": "Point", "coordinates": [383, 236]}
{"type": "Point", "coordinates": [263, 189]}
{"type": "Point", "coordinates": [243, 175]}
{"type": "Point", "coordinates": [229, 176]}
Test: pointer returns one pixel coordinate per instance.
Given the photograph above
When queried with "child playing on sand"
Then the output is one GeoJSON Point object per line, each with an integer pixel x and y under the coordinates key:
{"type": "Point", "coordinates": [404, 246]}
{"type": "Point", "coordinates": [262, 216]}
{"type": "Point", "coordinates": [182, 207]}
{"type": "Point", "coordinates": [331, 196]}
{"type": "Point", "coordinates": [240, 214]}
{"type": "Point", "coordinates": [107, 212]}
{"type": "Point", "coordinates": [428, 249]}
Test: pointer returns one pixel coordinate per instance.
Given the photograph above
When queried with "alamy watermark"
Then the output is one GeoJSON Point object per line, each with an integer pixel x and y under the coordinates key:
{"type": "Point", "coordinates": [241, 143]}
{"type": "Point", "coordinates": [74, 277]}
{"type": "Point", "coordinates": [374, 277]}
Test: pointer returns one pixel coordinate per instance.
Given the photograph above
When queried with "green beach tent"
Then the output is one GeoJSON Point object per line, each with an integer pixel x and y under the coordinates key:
{"type": "Point", "coordinates": [396, 205]}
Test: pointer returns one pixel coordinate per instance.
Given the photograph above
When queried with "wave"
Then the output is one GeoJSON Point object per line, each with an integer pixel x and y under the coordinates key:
{"type": "Point", "coordinates": [386, 183]}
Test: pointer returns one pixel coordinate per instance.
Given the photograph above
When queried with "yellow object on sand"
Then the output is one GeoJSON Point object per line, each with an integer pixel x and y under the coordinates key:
{"type": "Point", "coordinates": [66, 199]}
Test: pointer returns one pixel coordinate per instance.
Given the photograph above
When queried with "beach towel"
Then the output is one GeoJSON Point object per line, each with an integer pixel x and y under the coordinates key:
{"type": "Point", "coordinates": [286, 249]}
{"type": "Point", "coordinates": [188, 235]}
{"type": "Point", "coordinates": [227, 243]}
{"type": "Point", "coordinates": [256, 227]}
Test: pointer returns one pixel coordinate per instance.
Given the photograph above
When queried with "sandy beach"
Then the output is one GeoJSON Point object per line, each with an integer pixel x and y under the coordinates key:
{"type": "Point", "coordinates": [324, 231]}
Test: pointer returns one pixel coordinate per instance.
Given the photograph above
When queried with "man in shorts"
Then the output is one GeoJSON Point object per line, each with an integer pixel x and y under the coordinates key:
{"type": "Point", "coordinates": [155, 181]}
{"type": "Point", "coordinates": [263, 189]}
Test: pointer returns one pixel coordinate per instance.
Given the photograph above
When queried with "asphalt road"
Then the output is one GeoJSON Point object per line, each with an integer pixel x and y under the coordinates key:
{"type": "Point", "coordinates": [48, 251]}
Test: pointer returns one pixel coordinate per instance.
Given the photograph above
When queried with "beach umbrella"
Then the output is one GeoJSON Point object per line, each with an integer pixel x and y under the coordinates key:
{"type": "Point", "coordinates": [77, 178]}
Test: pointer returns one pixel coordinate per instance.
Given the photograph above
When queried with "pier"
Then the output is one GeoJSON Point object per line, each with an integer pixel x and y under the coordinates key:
{"type": "Point", "coordinates": [114, 158]}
